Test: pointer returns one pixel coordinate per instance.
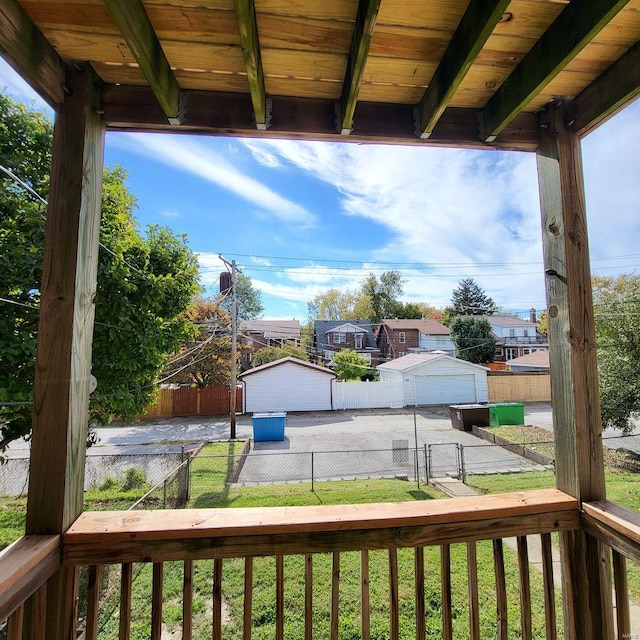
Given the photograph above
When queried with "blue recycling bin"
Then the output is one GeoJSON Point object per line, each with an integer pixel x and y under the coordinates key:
{"type": "Point", "coordinates": [269, 426]}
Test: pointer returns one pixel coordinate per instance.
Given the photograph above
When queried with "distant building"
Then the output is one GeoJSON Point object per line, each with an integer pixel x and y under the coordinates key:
{"type": "Point", "coordinates": [397, 338]}
{"type": "Point", "coordinates": [516, 337]}
{"type": "Point", "coordinates": [332, 336]}
{"type": "Point", "coordinates": [256, 334]}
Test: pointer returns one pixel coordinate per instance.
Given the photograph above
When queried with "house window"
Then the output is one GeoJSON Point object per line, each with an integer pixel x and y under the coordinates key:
{"type": "Point", "coordinates": [358, 340]}
{"type": "Point", "coordinates": [339, 338]}
{"type": "Point", "coordinates": [402, 338]}
{"type": "Point", "coordinates": [510, 354]}
{"type": "Point", "coordinates": [512, 333]}
{"type": "Point", "coordinates": [526, 332]}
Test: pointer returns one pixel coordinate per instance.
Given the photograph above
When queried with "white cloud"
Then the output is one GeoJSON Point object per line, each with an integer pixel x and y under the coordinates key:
{"type": "Point", "coordinates": [196, 158]}
{"type": "Point", "coordinates": [166, 213]}
{"type": "Point", "coordinates": [440, 207]}
{"type": "Point", "coordinates": [13, 85]}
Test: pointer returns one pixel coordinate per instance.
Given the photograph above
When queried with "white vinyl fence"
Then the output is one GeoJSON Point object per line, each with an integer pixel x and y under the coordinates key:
{"type": "Point", "coordinates": [367, 395]}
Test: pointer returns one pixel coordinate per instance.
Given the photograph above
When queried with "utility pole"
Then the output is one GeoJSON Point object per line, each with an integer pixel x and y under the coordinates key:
{"type": "Point", "coordinates": [234, 344]}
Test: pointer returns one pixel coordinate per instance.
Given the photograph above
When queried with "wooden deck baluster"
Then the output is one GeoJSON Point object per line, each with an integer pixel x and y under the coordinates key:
{"type": "Point", "coordinates": [308, 596]}
{"type": "Point", "coordinates": [501, 589]}
{"type": "Point", "coordinates": [93, 601]}
{"type": "Point", "coordinates": [126, 580]}
{"type": "Point", "coordinates": [156, 601]}
{"type": "Point", "coordinates": [472, 576]}
{"type": "Point", "coordinates": [445, 586]}
{"type": "Point", "coordinates": [365, 613]}
{"type": "Point", "coordinates": [525, 588]}
{"type": "Point", "coordinates": [549, 591]}
{"type": "Point", "coordinates": [15, 624]}
{"type": "Point", "coordinates": [248, 599]}
{"type": "Point", "coordinates": [420, 609]}
{"type": "Point", "coordinates": [335, 595]}
{"type": "Point", "coordinates": [623, 618]}
{"type": "Point", "coordinates": [217, 599]}
{"type": "Point", "coordinates": [394, 622]}
{"type": "Point", "coordinates": [187, 600]}
{"type": "Point", "coordinates": [279, 597]}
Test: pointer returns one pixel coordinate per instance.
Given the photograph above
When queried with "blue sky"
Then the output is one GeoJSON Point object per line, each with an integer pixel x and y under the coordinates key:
{"type": "Point", "coordinates": [300, 218]}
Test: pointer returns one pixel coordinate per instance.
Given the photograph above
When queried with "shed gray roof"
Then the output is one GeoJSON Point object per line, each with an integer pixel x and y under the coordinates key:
{"type": "Point", "coordinates": [413, 360]}
{"type": "Point", "coordinates": [289, 359]}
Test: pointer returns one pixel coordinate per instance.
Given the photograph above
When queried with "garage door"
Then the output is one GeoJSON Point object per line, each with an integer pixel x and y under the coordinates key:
{"type": "Point", "coordinates": [451, 389]}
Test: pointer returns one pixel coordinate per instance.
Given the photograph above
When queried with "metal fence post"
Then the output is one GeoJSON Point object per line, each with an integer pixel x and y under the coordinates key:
{"type": "Point", "coordinates": [312, 487]}
{"type": "Point", "coordinates": [427, 461]}
{"type": "Point", "coordinates": [462, 467]}
{"type": "Point", "coordinates": [415, 466]}
{"type": "Point", "coordinates": [164, 494]}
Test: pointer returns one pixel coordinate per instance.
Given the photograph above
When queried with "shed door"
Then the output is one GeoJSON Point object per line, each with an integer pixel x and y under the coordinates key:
{"type": "Point", "coordinates": [451, 389]}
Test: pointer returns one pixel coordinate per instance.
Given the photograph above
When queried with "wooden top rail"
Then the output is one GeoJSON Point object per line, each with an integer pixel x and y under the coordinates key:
{"type": "Point", "coordinates": [144, 536]}
{"type": "Point", "coordinates": [615, 525]}
{"type": "Point", "coordinates": [26, 565]}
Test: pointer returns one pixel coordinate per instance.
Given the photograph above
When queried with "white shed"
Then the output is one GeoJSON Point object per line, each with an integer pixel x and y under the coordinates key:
{"type": "Point", "coordinates": [432, 378]}
{"type": "Point", "coordinates": [287, 384]}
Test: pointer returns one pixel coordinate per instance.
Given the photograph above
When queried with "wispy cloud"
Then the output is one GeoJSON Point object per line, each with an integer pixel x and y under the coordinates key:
{"type": "Point", "coordinates": [476, 210]}
{"type": "Point", "coordinates": [13, 85]}
{"type": "Point", "coordinates": [166, 213]}
{"type": "Point", "coordinates": [198, 159]}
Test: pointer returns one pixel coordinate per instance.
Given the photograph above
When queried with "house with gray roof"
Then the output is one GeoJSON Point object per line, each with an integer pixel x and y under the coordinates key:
{"type": "Point", "coordinates": [331, 336]}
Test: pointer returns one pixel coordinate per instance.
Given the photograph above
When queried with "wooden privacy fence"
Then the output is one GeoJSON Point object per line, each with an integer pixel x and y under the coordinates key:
{"type": "Point", "coordinates": [191, 401]}
{"type": "Point", "coordinates": [519, 387]}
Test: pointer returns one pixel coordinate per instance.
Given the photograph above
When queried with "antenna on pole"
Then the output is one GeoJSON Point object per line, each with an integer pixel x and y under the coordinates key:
{"type": "Point", "coordinates": [234, 343]}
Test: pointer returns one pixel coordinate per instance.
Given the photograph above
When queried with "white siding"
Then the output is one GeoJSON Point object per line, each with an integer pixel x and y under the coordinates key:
{"type": "Point", "coordinates": [368, 395]}
{"type": "Point", "coordinates": [288, 387]}
{"type": "Point", "coordinates": [437, 343]}
{"type": "Point", "coordinates": [445, 373]}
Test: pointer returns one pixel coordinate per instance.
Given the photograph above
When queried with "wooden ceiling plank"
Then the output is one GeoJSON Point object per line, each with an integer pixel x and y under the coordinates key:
{"type": "Point", "coordinates": [246, 17]}
{"type": "Point", "coordinates": [468, 39]}
{"type": "Point", "coordinates": [135, 26]}
{"type": "Point", "coordinates": [360, 44]}
{"type": "Point", "coordinates": [578, 23]}
{"type": "Point", "coordinates": [27, 50]}
{"type": "Point", "coordinates": [606, 95]}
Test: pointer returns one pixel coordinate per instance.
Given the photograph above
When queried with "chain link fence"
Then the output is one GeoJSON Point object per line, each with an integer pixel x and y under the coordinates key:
{"type": "Point", "coordinates": [99, 469]}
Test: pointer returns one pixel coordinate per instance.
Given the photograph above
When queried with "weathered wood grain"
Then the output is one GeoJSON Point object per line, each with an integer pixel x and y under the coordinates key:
{"type": "Point", "coordinates": [93, 601]}
{"type": "Point", "coordinates": [24, 566]}
{"type": "Point", "coordinates": [126, 582]}
{"type": "Point", "coordinates": [549, 590]}
{"type": "Point", "coordinates": [501, 590]}
{"type": "Point", "coordinates": [445, 591]}
{"type": "Point", "coordinates": [472, 584]}
{"type": "Point", "coordinates": [156, 601]}
{"type": "Point", "coordinates": [525, 588]}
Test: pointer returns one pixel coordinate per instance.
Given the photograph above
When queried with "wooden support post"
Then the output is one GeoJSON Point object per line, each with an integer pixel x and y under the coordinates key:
{"type": "Point", "coordinates": [574, 374]}
{"type": "Point", "coordinates": [65, 331]}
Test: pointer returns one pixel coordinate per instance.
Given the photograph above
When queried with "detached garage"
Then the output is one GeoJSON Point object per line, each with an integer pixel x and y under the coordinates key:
{"type": "Point", "coordinates": [287, 384]}
{"type": "Point", "coordinates": [434, 378]}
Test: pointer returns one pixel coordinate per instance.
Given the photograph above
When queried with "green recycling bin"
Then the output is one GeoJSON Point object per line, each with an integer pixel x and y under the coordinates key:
{"type": "Point", "coordinates": [503, 413]}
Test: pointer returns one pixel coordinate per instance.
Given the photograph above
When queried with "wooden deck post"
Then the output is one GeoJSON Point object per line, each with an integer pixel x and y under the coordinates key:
{"type": "Point", "coordinates": [65, 331]}
{"type": "Point", "coordinates": [574, 374]}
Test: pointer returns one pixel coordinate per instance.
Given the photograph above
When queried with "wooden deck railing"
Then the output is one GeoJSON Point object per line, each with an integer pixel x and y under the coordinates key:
{"type": "Point", "coordinates": [426, 530]}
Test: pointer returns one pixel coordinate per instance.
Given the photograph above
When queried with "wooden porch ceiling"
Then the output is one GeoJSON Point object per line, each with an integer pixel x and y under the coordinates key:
{"type": "Point", "coordinates": [469, 73]}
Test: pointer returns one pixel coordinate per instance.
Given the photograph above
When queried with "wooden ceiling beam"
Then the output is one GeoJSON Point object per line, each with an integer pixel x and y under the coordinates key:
{"type": "Point", "coordinates": [134, 24]}
{"type": "Point", "coordinates": [476, 26]}
{"type": "Point", "coordinates": [248, 27]}
{"type": "Point", "coordinates": [605, 96]}
{"type": "Point", "coordinates": [27, 50]}
{"type": "Point", "coordinates": [574, 27]}
{"type": "Point", "coordinates": [231, 114]}
{"type": "Point", "coordinates": [360, 43]}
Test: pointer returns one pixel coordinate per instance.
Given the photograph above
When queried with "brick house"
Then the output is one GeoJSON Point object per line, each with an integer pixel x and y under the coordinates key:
{"type": "Point", "coordinates": [256, 334]}
{"type": "Point", "coordinates": [331, 336]}
{"type": "Point", "coordinates": [397, 337]}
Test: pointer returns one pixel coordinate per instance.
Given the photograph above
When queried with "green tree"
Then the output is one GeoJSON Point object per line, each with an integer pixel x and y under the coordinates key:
{"type": "Point", "coordinates": [145, 284]}
{"type": "Point", "coordinates": [350, 365]}
{"type": "Point", "coordinates": [543, 323]}
{"type": "Point", "coordinates": [384, 293]}
{"type": "Point", "coordinates": [473, 339]}
{"type": "Point", "coordinates": [207, 359]}
{"type": "Point", "coordinates": [617, 322]}
{"type": "Point", "coordinates": [469, 299]}
{"type": "Point", "coordinates": [249, 299]}
{"type": "Point", "coordinates": [334, 304]}
{"type": "Point", "coordinates": [271, 354]}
